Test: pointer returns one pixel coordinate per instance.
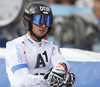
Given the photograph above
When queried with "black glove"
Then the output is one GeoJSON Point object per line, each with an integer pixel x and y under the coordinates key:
{"type": "Point", "coordinates": [56, 76]}
{"type": "Point", "coordinates": [70, 79]}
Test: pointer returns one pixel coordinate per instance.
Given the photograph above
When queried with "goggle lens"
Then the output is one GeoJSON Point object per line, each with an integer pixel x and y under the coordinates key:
{"type": "Point", "coordinates": [41, 19]}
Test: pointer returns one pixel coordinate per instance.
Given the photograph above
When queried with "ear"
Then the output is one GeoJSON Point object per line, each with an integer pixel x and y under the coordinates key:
{"type": "Point", "coordinates": [49, 29]}
{"type": "Point", "coordinates": [29, 25]}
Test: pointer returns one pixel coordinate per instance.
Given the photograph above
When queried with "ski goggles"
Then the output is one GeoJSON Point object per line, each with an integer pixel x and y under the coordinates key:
{"type": "Point", "coordinates": [40, 19]}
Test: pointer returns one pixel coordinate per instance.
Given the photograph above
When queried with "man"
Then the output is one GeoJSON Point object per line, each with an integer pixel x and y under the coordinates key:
{"type": "Point", "coordinates": [28, 57]}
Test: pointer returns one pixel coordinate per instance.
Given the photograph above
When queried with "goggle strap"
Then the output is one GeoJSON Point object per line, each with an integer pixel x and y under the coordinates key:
{"type": "Point", "coordinates": [27, 16]}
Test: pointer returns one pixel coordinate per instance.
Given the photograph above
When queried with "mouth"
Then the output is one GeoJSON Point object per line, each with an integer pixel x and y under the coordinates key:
{"type": "Point", "coordinates": [42, 31]}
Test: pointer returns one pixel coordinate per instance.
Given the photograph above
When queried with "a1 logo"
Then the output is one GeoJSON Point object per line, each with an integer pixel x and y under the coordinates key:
{"type": "Point", "coordinates": [40, 60]}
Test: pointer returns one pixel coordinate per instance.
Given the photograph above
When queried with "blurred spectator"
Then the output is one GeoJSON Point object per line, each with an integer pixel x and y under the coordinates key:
{"type": "Point", "coordinates": [59, 18]}
{"type": "Point", "coordinates": [84, 3]}
{"type": "Point", "coordinates": [97, 9]}
{"type": "Point", "coordinates": [9, 33]}
{"type": "Point", "coordinates": [80, 3]}
{"type": "Point", "coordinates": [80, 29]}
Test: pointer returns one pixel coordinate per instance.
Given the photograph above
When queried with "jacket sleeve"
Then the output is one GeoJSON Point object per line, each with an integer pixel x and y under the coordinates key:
{"type": "Point", "coordinates": [57, 57]}
{"type": "Point", "coordinates": [17, 62]}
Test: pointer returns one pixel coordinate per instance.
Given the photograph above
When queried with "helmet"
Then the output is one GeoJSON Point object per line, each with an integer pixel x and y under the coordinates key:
{"type": "Point", "coordinates": [36, 8]}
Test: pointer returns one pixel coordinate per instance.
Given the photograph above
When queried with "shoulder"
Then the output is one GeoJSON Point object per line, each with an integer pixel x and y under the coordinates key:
{"type": "Point", "coordinates": [48, 42]}
{"type": "Point", "coordinates": [19, 40]}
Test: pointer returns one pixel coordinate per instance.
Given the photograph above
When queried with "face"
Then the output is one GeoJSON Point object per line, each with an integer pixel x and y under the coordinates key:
{"type": "Point", "coordinates": [39, 30]}
{"type": "Point", "coordinates": [97, 8]}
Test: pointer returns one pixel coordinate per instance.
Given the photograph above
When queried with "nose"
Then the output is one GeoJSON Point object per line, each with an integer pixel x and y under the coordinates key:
{"type": "Point", "coordinates": [44, 25]}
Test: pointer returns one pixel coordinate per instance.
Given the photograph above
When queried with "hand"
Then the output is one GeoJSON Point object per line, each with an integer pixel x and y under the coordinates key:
{"type": "Point", "coordinates": [56, 76]}
{"type": "Point", "coordinates": [70, 79]}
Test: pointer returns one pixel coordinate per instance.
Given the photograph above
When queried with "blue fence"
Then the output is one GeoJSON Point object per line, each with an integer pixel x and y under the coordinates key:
{"type": "Point", "coordinates": [87, 74]}
{"type": "Point", "coordinates": [4, 82]}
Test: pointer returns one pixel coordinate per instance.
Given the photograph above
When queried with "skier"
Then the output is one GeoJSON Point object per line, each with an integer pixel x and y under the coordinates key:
{"type": "Point", "coordinates": [28, 58]}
